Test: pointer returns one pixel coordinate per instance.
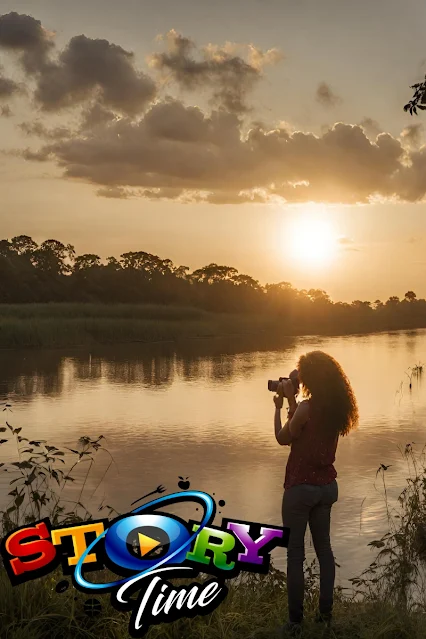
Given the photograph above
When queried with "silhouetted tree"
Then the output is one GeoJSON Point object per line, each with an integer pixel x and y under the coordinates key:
{"type": "Point", "coordinates": [51, 273]}
{"type": "Point", "coordinates": [86, 261]}
{"type": "Point", "coordinates": [410, 296]}
{"type": "Point", "coordinates": [23, 244]}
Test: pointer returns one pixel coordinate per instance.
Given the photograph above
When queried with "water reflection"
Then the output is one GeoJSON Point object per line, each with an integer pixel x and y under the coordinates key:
{"type": "Point", "coordinates": [49, 372]}
{"type": "Point", "coordinates": [201, 409]}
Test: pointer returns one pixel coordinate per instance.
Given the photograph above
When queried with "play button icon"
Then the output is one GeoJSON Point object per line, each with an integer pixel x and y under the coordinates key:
{"type": "Point", "coordinates": [148, 542]}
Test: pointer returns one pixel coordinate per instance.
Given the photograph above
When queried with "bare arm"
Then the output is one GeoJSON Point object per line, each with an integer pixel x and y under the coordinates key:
{"type": "Point", "coordinates": [298, 416]}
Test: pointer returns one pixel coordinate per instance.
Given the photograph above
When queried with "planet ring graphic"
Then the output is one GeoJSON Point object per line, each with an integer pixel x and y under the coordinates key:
{"type": "Point", "coordinates": [209, 510]}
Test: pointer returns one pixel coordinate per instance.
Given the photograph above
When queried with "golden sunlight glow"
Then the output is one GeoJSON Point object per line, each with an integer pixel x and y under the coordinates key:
{"type": "Point", "coordinates": [311, 239]}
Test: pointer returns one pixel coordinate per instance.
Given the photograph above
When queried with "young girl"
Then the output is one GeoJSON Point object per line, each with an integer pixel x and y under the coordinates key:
{"type": "Point", "coordinates": [313, 427]}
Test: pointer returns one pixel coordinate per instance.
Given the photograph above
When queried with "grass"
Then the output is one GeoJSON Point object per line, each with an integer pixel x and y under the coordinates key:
{"type": "Point", "coordinates": [387, 601]}
{"type": "Point", "coordinates": [253, 609]}
{"type": "Point", "coordinates": [56, 325]}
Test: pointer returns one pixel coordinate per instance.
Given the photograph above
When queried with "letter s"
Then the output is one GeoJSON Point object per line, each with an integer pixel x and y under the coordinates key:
{"type": "Point", "coordinates": [41, 549]}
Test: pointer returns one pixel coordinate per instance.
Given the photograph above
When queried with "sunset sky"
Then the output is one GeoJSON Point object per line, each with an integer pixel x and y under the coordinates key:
{"type": "Point", "coordinates": [268, 135]}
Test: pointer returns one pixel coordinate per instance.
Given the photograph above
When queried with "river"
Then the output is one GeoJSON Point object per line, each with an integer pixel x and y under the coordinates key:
{"type": "Point", "coordinates": [202, 410]}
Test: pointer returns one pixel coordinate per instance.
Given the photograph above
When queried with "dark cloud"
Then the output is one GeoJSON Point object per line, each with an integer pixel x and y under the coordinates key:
{"type": "Point", "coordinates": [326, 96]}
{"type": "Point", "coordinates": [180, 152]}
{"type": "Point", "coordinates": [87, 67]}
{"type": "Point", "coordinates": [228, 74]}
{"type": "Point", "coordinates": [7, 87]}
{"type": "Point", "coordinates": [94, 115]}
{"type": "Point", "coordinates": [25, 35]}
{"type": "Point", "coordinates": [5, 111]}
{"type": "Point", "coordinates": [129, 143]}
{"type": "Point", "coordinates": [38, 129]}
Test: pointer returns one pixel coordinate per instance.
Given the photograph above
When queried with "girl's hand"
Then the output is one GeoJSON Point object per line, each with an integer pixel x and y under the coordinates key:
{"type": "Point", "coordinates": [278, 401]}
{"type": "Point", "coordinates": [288, 388]}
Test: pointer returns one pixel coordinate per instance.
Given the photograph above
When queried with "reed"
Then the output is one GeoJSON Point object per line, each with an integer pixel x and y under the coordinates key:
{"type": "Point", "coordinates": [60, 325]}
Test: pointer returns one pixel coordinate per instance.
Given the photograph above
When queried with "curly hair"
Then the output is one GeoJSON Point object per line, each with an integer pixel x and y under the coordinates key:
{"type": "Point", "coordinates": [325, 383]}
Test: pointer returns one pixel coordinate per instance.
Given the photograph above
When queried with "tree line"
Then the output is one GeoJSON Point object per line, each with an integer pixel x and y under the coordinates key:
{"type": "Point", "coordinates": [52, 272]}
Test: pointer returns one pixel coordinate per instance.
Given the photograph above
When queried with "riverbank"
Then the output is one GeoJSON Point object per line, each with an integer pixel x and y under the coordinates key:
{"type": "Point", "coordinates": [252, 610]}
{"type": "Point", "coordinates": [53, 325]}
{"type": "Point", "coordinates": [388, 600]}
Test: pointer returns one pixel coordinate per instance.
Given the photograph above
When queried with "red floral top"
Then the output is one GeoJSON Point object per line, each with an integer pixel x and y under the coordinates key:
{"type": "Point", "coordinates": [312, 455]}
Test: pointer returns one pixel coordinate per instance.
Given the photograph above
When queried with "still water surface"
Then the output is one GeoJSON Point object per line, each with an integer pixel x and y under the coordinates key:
{"type": "Point", "coordinates": [201, 410]}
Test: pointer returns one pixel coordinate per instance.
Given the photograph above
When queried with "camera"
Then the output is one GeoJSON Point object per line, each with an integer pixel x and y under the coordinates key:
{"type": "Point", "coordinates": [294, 377]}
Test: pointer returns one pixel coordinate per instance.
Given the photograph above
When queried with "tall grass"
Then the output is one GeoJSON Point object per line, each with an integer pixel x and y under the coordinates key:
{"type": "Point", "coordinates": [388, 600]}
{"type": "Point", "coordinates": [53, 325]}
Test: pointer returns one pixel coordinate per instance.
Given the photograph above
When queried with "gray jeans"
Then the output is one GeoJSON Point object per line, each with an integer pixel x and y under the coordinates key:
{"type": "Point", "coordinates": [302, 504]}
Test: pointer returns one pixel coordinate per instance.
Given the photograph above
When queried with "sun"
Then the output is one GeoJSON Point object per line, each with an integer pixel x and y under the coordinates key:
{"type": "Point", "coordinates": [311, 240]}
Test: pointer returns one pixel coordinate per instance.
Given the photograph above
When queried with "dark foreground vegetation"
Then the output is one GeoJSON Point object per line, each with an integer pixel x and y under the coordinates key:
{"type": "Point", "coordinates": [143, 297]}
{"type": "Point", "coordinates": [387, 601]}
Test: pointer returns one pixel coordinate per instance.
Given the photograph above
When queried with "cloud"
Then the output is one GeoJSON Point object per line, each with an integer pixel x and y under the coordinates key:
{"type": "Point", "coordinates": [96, 114]}
{"type": "Point", "coordinates": [347, 244]}
{"type": "Point", "coordinates": [24, 34]}
{"type": "Point", "coordinates": [88, 66]}
{"type": "Point", "coordinates": [113, 192]}
{"type": "Point", "coordinates": [126, 139]}
{"type": "Point", "coordinates": [229, 75]}
{"type": "Point", "coordinates": [371, 127]}
{"type": "Point", "coordinates": [176, 151]}
{"type": "Point", "coordinates": [326, 96]}
{"type": "Point", "coordinates": [5, 111]}
{"type": "Point", "coordinates": [38, 129]}
{"type": "Point", "coordinates": [8, 88]}
{"type": "Point", "coordinates": [85, 69]}
{"type": "Point", "coordinates": [412, 135]}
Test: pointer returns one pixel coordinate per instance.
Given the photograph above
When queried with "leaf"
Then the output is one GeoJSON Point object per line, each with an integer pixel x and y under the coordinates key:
{"type": "Point", "coordinates": [3, 429]}
{"type": "Point", "coordinates": [19, 500]}
{"type": "Point", "coordinates": [9, 426]}
{"type": "Point", "coordinates": [3, 441]}
{"type": "Point", "coordinates": [59, 453]}
{"type": "Point", "coordinates": [31, 478]}
{"type": "Point", "coordinates": [11, 509]}
{"type": "Point", "coordinates": [376, 544]}
{"type": "Point", "coordinates": [23, 464]}
{"type": "Point", "coordinates": [17, 431]}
